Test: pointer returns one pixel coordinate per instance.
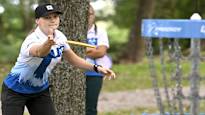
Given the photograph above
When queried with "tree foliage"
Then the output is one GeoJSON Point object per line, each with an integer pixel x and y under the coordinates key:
{"type": "Point", "coordinates": [126, 11]}
{"type": "Point", "coordinates": [164, 9]}
{"type": "Point", "coordinates": [15, 24]}
{"type": "Point", "coordinates": [18, 19]}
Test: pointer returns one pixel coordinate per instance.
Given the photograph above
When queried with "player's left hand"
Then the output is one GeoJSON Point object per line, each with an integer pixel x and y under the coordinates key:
{"type": "Point", "coordinates": [107, 73]}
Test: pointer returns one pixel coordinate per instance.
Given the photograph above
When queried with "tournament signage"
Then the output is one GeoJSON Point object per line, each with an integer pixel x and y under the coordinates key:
{"type": "Point", "coordinates": [165, 28]}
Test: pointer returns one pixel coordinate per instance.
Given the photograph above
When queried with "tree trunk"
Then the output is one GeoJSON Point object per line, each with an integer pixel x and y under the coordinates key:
{"type": "Point", "coordinates": [202, 44]}
{"type": "Point", "coordinates": [26, 15]}
{"type": "Point", "coordinates": [135, 48]}
{"type": "Point", "coordinates": [67, 82]}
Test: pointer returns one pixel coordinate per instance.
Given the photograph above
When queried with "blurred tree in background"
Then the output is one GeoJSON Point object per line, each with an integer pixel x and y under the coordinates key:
{"type": "Point", "coordinates": [15, 22]}
{"type": "Point", "coordinates": [134, 48]}
{"type": "Point", "coordinates": [124, 24]}
{"type": "Point", "coordinates": [129, 14]}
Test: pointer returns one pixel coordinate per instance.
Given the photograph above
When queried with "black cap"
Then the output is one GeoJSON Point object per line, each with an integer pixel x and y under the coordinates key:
{"type": "Point", "coordinates": [45, 9]}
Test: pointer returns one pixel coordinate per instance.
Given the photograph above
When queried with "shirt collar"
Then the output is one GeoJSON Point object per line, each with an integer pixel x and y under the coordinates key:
{"type": "Point", "coordinates": [39, 33]}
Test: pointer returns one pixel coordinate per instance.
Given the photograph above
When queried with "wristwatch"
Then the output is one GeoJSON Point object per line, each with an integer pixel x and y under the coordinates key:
{"type": "Point", "coordinates": [95, 67]}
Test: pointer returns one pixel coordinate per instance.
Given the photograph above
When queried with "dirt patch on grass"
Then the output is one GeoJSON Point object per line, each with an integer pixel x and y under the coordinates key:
{"type": "Point", "coordinates": [133, 99]}
{"type": "Point", "coordinates": [125, 100]}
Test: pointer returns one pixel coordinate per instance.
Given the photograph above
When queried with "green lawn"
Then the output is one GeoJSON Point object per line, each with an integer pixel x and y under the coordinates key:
{"type": "Point", "coordinates": [135, 76]}
{"type": "Point", "coordinates": [131, 76]}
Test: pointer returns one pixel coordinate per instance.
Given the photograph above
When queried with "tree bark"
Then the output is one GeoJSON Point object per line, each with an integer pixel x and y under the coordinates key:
{"type": "Point", "coordinates": [67, 82]}
{"type": "Point", "coordinates": [135, 48]}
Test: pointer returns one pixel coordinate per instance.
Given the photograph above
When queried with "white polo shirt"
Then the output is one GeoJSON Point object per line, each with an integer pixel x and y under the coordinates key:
{"type": "Point", "coordinates": [30, 74]}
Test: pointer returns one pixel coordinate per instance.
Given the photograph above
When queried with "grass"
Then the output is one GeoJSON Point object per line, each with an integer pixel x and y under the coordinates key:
{"type": "Point", "coordinates": [129, 75]}
{"type": "Point", "coordinates": [128, 78]}
{"type": "Point", "coordinates": [133, 111]}
{"type": "Point", "coordinates": [135, 76]}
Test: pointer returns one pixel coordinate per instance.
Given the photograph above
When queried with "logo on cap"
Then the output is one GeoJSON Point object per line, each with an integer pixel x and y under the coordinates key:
{"type": "Point", "coordinates": [49, 7]}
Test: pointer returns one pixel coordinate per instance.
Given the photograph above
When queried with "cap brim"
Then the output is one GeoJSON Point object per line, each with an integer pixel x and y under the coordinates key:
{"type": "Point", "coordinates": [46, 14]}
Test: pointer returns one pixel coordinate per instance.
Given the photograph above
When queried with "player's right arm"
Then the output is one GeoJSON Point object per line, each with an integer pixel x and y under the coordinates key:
{"type": "Point", "coordinates": [42, 50]}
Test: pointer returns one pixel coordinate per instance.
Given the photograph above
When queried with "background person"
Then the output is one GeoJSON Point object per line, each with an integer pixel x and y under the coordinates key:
{"type": "Point", "coordinates": [94, 80]}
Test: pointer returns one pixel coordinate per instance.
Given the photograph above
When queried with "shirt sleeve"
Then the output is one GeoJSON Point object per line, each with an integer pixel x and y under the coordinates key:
{"type": "Point", "coordinates": [62, 40]}
{"type": "Point", "coordinates": [103, 38]}
{"type": "Point", "coordinates": [27, 44]}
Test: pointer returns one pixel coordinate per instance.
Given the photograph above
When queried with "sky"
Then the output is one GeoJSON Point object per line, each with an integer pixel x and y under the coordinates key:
{"type": "Point", "coordinates": [1, 9]}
